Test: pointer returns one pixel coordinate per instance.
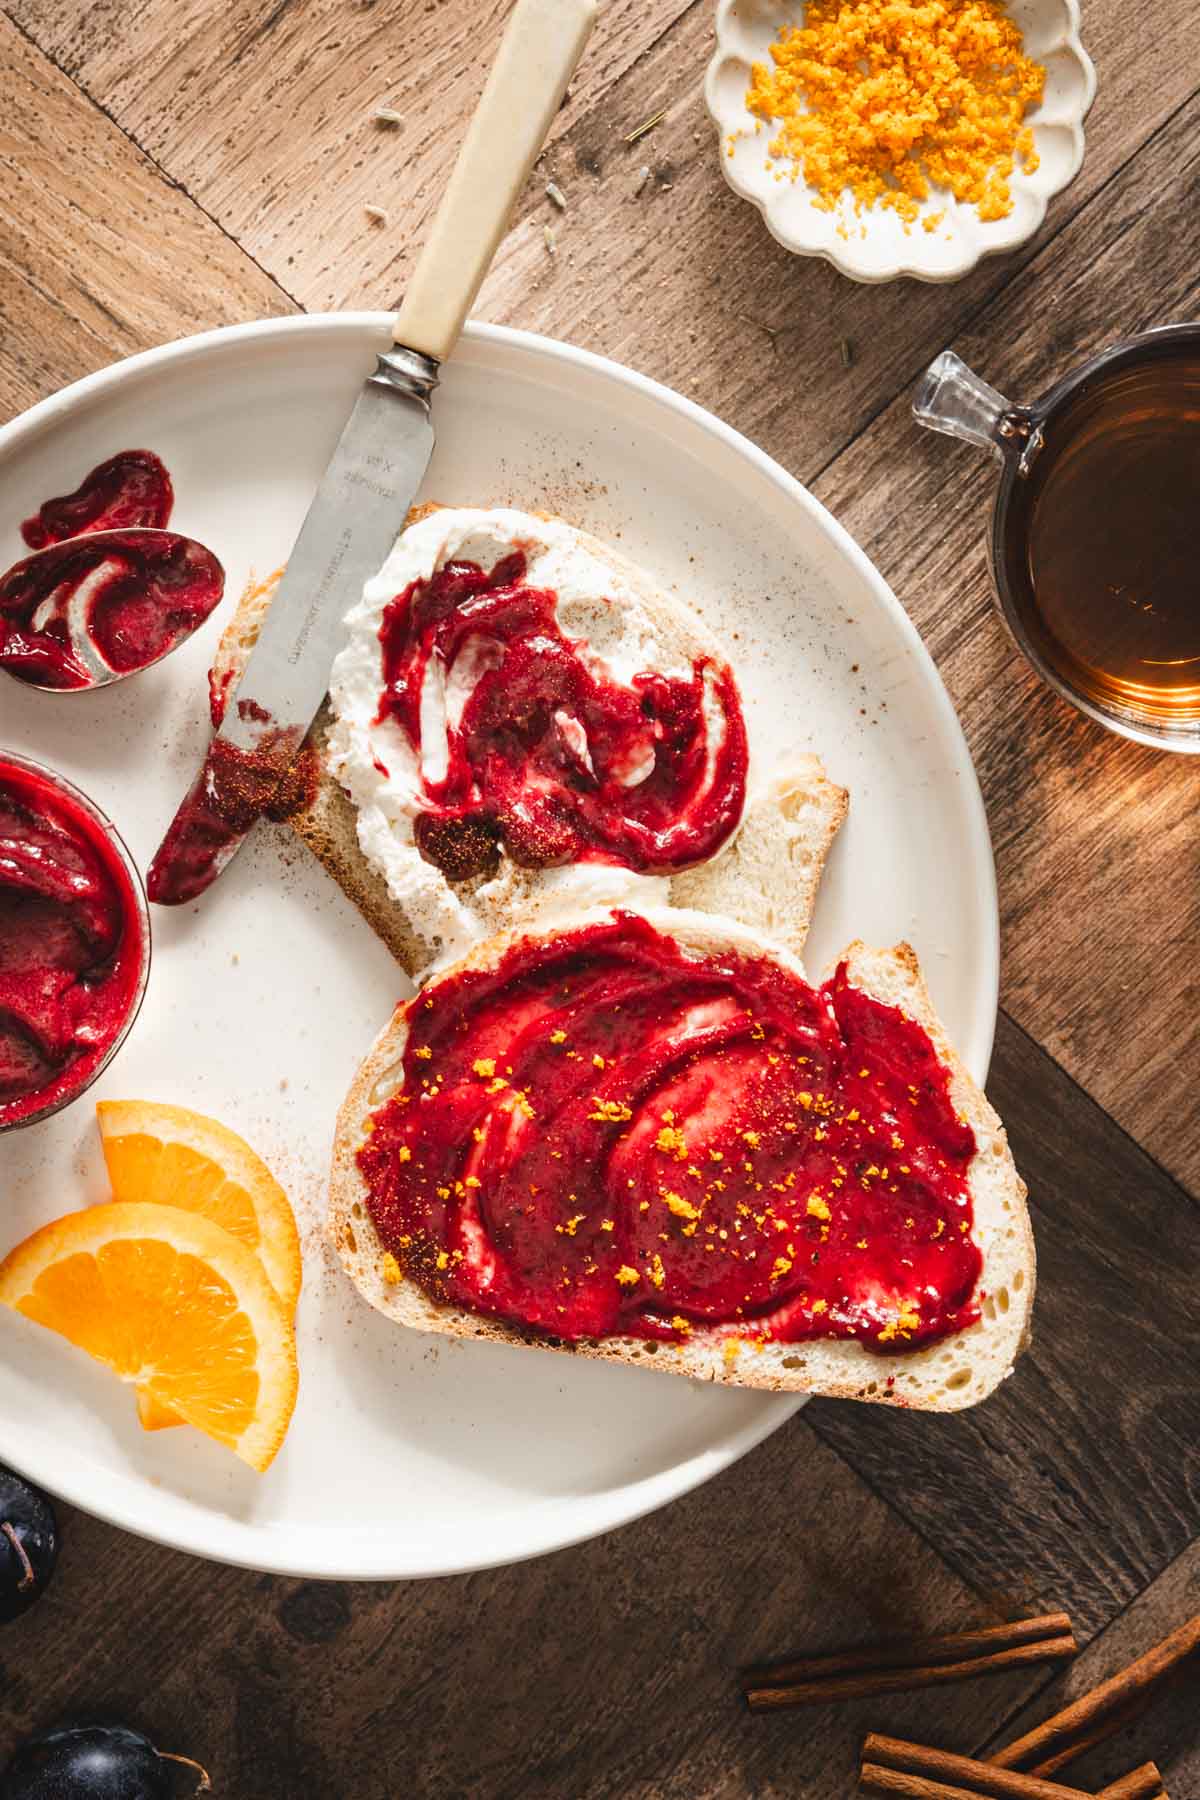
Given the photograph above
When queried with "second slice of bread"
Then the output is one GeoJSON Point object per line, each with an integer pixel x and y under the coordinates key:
{"type": "Point", "coordinates": [954, 1373]}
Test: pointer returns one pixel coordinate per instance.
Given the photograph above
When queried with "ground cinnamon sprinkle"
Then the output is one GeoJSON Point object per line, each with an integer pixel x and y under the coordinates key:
{"type": "Point", "coordinates": [883, 99]}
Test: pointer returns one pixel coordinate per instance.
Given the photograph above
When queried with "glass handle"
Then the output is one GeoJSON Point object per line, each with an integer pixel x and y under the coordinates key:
{"type": "Point", "coordinates": [951, 398]}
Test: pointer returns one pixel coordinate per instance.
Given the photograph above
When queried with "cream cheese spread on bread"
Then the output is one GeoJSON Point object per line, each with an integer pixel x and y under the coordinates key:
{"type": "Point", "coordinates": [620, 624]}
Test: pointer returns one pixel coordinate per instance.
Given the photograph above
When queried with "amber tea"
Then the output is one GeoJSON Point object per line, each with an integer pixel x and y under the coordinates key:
{"type": "Point", "coordinates": [1096, 534]}
{"type": "Point", "coordinates": [1102, 536]}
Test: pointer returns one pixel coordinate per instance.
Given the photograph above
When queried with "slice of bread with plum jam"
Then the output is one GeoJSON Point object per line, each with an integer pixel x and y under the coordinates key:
{"type": "Point", "coordinates": [952, 1371]}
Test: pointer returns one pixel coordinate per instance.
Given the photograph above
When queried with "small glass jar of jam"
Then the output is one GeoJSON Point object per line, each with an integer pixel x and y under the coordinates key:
{"type": "Point", "coordinates": [74, 941]}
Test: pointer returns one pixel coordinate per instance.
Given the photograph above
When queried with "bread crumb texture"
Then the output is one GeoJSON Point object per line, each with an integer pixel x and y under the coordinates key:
{"type": "Point", "coordinates": [884, 99]}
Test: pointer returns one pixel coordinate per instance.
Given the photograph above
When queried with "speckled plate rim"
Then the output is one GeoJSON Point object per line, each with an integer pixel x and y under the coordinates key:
{"type": "Point", "coordinates": [309, 1552]}
{"type": "Point", "coordinates": [991, 240]}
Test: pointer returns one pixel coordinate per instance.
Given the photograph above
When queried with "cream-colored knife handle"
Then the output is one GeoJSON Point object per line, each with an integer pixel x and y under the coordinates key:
{"type": "Point", "coordinates": [541, 45]}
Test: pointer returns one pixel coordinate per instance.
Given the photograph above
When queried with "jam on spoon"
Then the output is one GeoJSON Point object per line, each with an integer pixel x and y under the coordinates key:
{"type": "Point", "coordinates": [96, 1762]}
{"type": "Point", "coordinates": [108, 590]}
{"type": "Point", "coordinates": [131, 488]}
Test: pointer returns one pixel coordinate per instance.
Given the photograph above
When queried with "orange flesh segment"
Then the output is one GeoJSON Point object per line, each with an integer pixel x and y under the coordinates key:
{"type": "Point", "coordinates": [141, 1167]}
{"type": "Point", "coordinates": [153, 1415]}
{"type": "Point", "coordinates": [162, 1318]}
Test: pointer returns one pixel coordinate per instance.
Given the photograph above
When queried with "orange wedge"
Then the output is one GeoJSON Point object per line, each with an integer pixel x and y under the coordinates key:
{"type": "Point", "coordinates": [171, 1156]}
{"type": "Point", "coordinates": [173, 1304]}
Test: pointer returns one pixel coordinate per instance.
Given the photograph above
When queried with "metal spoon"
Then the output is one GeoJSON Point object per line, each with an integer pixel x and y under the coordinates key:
{"type": "Point", "coordinates": [175, 573]}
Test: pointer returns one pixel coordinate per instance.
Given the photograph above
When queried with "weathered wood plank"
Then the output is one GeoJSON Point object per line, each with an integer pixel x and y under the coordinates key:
{"type": "Point", "coordinates": [263, 112]}
{"type": "Point", "coordinates": [100, 255]}
{"type": "Point", "coordinates": [684, 282]}
{"type": "Point", "coordinates": [1096, 849]}
{"type": "Point", "coordinates": [1074, 1486]}
{"type": "Point", "coordinates": [602, 1673]}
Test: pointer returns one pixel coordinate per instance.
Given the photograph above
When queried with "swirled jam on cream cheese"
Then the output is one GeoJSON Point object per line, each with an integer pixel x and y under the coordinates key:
{"type": "Point", "coordinates": [505, 701]}
{"type": "Point", "coordinates": [609, 1135]}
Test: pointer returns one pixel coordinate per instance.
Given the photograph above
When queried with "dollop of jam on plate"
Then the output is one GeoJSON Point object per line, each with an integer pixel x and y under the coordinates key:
{"type": "Point", "coordinates": [135, 593]}
{"type": "Point", "coordinates": [607, 1135]}
{"type": "Point", "coordinates": [72, 945]}
{"type": "Point", "coordinates": [551, 756]}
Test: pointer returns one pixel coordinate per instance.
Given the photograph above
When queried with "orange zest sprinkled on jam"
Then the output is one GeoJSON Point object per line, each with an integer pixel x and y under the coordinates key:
{"type": "Point", "coordinates": [785, 1220]}
{"type": "Point", "coordinates": [612, 1112]}
{"type": "Point", "coordinates": [672, 1142]}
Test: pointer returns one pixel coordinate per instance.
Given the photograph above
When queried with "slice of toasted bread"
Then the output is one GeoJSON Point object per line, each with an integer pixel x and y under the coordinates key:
{"type": "Point", "coordinates": [953, 1373]}
{"type": "Point", "coordinates": [766, 877]}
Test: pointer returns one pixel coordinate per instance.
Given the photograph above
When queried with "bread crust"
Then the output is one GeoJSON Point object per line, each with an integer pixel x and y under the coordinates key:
{"type": "Point", "coordinates": [945, 1377]}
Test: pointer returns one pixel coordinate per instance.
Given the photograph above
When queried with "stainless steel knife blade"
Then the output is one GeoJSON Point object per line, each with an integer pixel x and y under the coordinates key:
{"type": "Point", "coordinates": [380, 459]}
{"type": "Point", "coordinates": [364, 496]}
{"type": "Point", "coordinates": [361, 504]}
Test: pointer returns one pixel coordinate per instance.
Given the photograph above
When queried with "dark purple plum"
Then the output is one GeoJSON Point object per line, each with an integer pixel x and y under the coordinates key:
{"type": "Point", "coordinates": [28, 1545]}
{"type": "Point", "coordinates": [95, 1762]}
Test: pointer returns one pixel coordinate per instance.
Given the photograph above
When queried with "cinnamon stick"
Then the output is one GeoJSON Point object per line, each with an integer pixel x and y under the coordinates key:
{"type": "Point", "coordinates": [1144, 1783]}
{"type": "Point", "coordinates": [885, 1757]}
{"type": "Point", "coordinates": [958, 1646]}
{"type": "Point", "coordinates": [921, 1787]}
{"type": "Point", "coordinates": [897, 1668]}
{"type": "Point", "coordinates": [1095, 1734]}
{"type": "Point", "coordinates": [1117, 1695]}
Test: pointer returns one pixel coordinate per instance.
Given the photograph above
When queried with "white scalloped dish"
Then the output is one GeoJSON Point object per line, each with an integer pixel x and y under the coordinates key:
{"type": "Point", "coordinates": [875, 244]}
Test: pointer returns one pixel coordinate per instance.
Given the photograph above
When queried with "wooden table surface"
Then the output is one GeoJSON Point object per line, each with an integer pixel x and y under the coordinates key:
{"type": "Point", "coordinates": [181, 164]}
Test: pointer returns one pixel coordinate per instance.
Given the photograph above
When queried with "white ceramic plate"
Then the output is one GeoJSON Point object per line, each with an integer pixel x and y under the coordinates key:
{"type": "Point", "coordinates": [411, 1455]}
{"type": "Point", "coordinates": [875, 245]}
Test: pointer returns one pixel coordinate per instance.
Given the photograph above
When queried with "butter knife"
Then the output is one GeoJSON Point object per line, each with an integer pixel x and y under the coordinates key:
{"type": "Point", "coordinates": [380, 459]}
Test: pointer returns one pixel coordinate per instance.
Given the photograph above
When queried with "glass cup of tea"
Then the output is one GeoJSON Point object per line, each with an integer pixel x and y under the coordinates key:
{"type": "Point", "coordinates": [1095, 536]}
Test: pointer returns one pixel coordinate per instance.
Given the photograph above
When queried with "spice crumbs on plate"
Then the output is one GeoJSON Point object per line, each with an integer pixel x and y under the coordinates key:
{"type": "Point", "coordinates": [884, 99]}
